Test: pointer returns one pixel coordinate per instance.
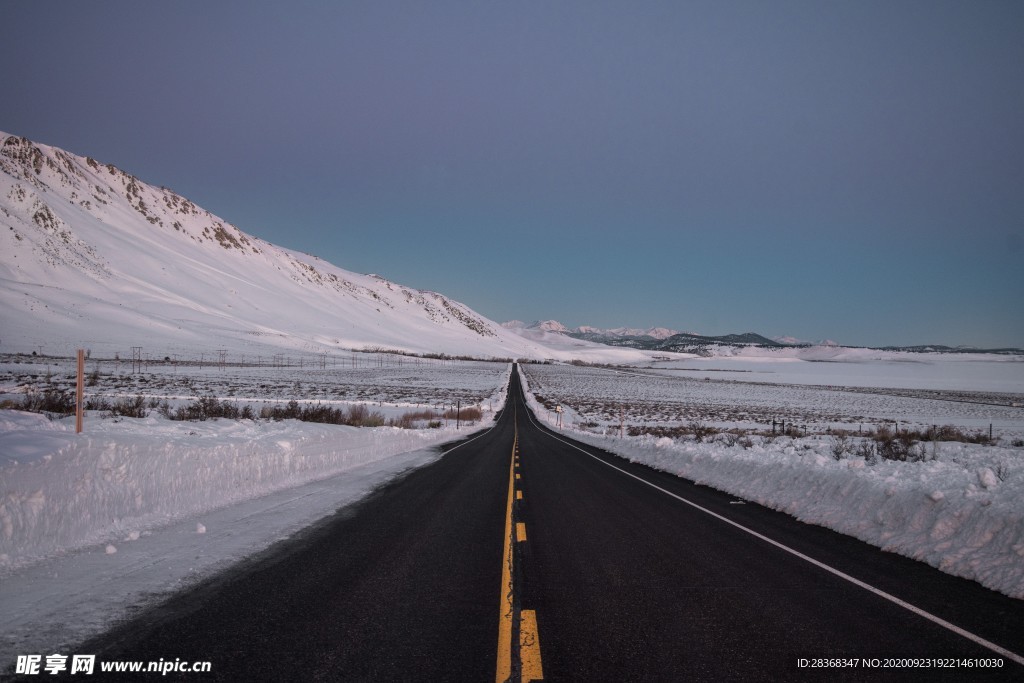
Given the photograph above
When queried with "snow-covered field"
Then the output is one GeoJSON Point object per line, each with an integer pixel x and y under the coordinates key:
{"type": "Point", "coordinates": [959, 507]}
{"type": "Point", "coordinates": [971, 395]}
{"type": "Point", "coordinates": [63, 490]}
{"type": "Point", "coordinates": [92, 524]}
{"type": "Point", "coordinates": [855, 367]}
{"type": "Point", "coordinates": [388, 383]}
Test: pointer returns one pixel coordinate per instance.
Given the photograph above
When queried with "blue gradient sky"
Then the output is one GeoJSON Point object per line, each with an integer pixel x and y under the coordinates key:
{"type": "Point", "coordinates": [846, 170]}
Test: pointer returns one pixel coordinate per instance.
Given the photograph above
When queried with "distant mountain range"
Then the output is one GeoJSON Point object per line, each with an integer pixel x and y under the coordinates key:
{"type": "Point", "coordinates": [664, 339]}
{"type": "Point", "coordinates": [584, 331]}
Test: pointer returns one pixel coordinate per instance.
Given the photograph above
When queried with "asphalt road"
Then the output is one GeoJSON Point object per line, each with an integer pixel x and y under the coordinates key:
{"type": "Point", "coordinates": [520, 553]}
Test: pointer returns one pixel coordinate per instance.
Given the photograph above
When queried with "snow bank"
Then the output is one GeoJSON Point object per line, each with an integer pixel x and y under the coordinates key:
{"type": "Point", "coordinates": [62, 491]}
{"type": "Point", "coordinates": [962, 512]}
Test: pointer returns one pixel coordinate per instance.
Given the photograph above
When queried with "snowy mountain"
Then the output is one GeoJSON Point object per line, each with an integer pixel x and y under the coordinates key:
{"type": "Point", "coordinates": [653, 332]}
{"type": "Point", "coordinates": [789, 341]}
{"type": "Point", "coordinates": [654, 339]}
{"type": "Point", "coordinates": [584, 330]}
{"type": "Point", "coordinates": [548, 326]}
{"type": "Point", "coordinates": [793, 341]}
{"type": "Point", "coordinates": [679, 342]}
{"type": "Point", "coordinates": [91, 256]}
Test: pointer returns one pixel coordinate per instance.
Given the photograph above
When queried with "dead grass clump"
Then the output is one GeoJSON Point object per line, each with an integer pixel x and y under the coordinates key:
{"type": "Point", "coordinates": [52, 401]}
{"type": "Point", "coordinates": [470, 414]}
{"type": "Point", "coordinates": [411, 419]}
{"type": "Point", "coordinates": [696, 430]}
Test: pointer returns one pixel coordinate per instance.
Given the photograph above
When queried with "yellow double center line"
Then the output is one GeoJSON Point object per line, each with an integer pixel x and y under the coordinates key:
{"type": "Point", "coordinates": [528, 648]}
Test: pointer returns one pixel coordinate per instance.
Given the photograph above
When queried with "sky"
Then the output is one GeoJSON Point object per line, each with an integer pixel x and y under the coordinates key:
{"type": "Point", "coordinates": [848, 170]}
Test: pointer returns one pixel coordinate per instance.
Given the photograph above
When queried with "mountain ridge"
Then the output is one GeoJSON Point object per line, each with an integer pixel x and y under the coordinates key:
{"type": "Point", "coordinates": [704, 345]}
{"type": "Point", "coordinates": [90, 250]}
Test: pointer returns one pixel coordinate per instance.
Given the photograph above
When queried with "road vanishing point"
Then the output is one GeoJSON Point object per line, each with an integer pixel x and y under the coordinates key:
{"type": "Point", "coordinates": [523, 555]}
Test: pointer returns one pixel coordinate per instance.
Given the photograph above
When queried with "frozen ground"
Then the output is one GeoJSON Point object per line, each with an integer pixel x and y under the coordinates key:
{"type": "Point", "coordinates": [839, 366]}
{"type": "Point", "coordinates": [125, 475]}
{"type": "Point", "coordinates": [389, 383]}
{"type": "Point", "coordinates": [95, 525]}
{"type": "Point", "coordinates": [958, 507]}
{"type": "Point", "coordinates": [969, 395]}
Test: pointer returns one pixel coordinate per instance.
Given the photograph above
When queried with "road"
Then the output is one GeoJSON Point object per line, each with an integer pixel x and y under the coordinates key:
{"type": "Point", "coordinates": [521, 554]}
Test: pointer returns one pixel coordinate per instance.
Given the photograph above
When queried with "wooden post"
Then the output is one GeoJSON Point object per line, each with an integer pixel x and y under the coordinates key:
{"type": "Point", "coordinates": [80, 391]}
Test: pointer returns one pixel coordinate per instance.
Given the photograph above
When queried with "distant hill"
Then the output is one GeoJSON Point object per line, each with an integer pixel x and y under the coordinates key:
{"type": "Point", "coordinates": [939, 348]}
{"type": "Point", "coordinates": [679, 342]}
{"type": "Point", "coordinates": [91, 256]}
{"type": "Point", "coordinates": [665, 340]}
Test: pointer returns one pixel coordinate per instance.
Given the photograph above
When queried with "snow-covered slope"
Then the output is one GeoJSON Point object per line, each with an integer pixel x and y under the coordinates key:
{"type": "Point", "coordinates": [793, 341]}
{"type": "Point", "coordinates": [653, 332]}
{"type": "Point", "coordinates": [548, 326]}
{"type": "Point", "coordinates": [92, 256]}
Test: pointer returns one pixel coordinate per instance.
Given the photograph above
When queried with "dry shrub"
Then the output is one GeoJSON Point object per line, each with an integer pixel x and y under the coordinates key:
{"type": "Point", "coordinates": [469, 414]}
{"type": "Point", "coordinates": [408, 420]}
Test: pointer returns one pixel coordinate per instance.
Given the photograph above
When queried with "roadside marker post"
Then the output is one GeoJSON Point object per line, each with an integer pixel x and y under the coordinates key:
{"type": "Point", "coordinates": [80, 391]}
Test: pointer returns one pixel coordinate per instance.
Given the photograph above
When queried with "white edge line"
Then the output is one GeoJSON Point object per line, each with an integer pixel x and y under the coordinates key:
{"type": "Point", "coordinates": [857, 582]}
{"type": "Point", "coordinates": [469, 441]}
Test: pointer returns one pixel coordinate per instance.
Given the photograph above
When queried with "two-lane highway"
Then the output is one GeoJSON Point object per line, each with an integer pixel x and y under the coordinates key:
{"type": "Point", "coordinates": [521, 554]}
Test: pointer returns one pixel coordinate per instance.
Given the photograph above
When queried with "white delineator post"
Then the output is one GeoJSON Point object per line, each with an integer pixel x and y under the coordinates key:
{"type": "Point", "coordinates": [80, 391]}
